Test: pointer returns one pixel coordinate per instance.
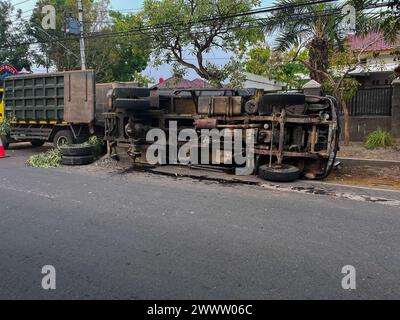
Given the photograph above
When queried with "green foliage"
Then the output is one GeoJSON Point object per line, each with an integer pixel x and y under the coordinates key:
{"type": "Point", "coordinates": [5, 126]}
{"type": "Point", "coordinates": [178, 71]}
{"type": "Point", "coordinates": [379, 139]}
{"type": "Point", "coordinates": [20, 56]}
{"type": "Point", "coordinates": [97, 143]}
{"type": "Point", "coordinates": [115, 58]}
{"type": "Point", "coordinates": [233, 72]}
{"type": "Point", "coordinates": [348, 88]}
{"type": "Point", "coordinates": [142, 79]}
{"type": "Point", "coordinates": [197, 33]}
{"type": "Point", "coordinates": [278, 65]}
{"type": "Point", "coordinates": [305, 26]}
{"type": "Point", "coordinates": [48, 159]}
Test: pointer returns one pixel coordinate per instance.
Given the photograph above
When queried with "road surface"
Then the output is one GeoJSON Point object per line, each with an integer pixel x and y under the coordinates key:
{"type": "Point", "coordinates": [111, 236]}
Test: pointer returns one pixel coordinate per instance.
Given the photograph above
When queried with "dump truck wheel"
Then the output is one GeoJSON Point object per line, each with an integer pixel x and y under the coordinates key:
{"type": "Point", "coordinates": [37, 143]}
{"type": "Point", "coordinates": [77, 150]}
{"type": "Point", "coordinates": [63, 137]}
{"type": "Point", "coordinates": [268, 101]}
{"type": "Point", "coordinates": [77, 161]}
{"type": "Point", "coordinates": [279, 173]}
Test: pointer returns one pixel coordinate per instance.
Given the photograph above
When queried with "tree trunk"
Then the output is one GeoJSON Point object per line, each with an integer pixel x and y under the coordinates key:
{"type": "Point", "coordinates": [319, 58]}
{"type": "Point", "coordinates": [346, 118]}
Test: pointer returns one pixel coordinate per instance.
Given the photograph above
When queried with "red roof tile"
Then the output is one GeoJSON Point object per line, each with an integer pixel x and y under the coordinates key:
{"type": "Point", "coordinates": [358, 43]}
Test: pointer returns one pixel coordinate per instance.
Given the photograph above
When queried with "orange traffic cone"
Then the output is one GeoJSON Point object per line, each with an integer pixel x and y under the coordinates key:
{"type": "Point", "coordinates": [2, 152]}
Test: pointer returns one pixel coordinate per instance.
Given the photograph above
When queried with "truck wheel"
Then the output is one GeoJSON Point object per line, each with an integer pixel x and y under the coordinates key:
{"type": "Point", "coordinates": [279, 173]}
{"type": "Point", "coordinates": [77, 161]}
{"type": "Point", "coordinates": [77, 150]}
{"type": "Point", "coordinates": [37, 143]}
{"type": "Point", "coordinates": [63, 137]}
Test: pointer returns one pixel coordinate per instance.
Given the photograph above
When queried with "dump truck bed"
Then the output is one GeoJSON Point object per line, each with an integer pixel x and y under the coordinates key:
{"type": "Point", "coordinates": [51, 98]}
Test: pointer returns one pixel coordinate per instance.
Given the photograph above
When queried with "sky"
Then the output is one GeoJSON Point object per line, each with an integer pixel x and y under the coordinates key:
{"type": "Point", "coordinates": [164, 71]}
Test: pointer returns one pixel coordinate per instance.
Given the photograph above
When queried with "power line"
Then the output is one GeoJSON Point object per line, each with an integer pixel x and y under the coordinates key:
{"type": "Point", "coordinates": [22, 2]}
{"type": "Point", "coordinates": [177, 24]}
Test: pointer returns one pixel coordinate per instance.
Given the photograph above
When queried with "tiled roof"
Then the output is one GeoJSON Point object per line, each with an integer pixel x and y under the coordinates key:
{"type": "Point", "coordinates": [376, 41]}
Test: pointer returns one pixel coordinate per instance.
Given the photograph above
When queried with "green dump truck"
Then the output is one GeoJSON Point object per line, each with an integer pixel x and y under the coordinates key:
{"type": "Point", "coordinates": [55, 107]}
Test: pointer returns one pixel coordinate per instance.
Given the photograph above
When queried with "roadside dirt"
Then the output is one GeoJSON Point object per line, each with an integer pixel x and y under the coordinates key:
{"type": "Point", "coordinates": [384, 178]}
{"type": "Point", "coordinates": [357, 150]}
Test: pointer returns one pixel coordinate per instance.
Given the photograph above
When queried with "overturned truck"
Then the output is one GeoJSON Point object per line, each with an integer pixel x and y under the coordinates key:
{"type": "Point", "coordinates": [279, 136]}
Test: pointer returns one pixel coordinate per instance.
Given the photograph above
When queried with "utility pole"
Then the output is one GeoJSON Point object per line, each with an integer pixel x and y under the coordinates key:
{"type": "Point", "coordinates": [81, 38]}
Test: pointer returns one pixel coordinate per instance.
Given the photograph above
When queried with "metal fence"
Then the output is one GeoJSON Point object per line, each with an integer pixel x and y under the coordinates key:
{"type": "Point", "coordinates": [371, 102]}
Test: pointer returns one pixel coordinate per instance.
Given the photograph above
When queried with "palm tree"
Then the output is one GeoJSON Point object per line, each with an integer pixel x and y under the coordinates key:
{"type": "Point", "coordinates": [312, 26]}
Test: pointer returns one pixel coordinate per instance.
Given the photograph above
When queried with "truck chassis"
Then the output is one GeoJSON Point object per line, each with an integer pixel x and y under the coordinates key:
{"type": "Point", "coordinates": [290, 129]}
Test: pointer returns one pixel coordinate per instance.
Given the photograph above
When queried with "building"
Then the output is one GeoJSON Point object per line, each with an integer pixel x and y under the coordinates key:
{"type": "Point", "coordinates": [379, 59]}
{"type": "Point", "coordinates": [259, 82]}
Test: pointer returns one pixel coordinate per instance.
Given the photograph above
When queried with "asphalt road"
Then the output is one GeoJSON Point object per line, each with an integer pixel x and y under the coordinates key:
{"type": "Point", "coordinates": [149, 237]}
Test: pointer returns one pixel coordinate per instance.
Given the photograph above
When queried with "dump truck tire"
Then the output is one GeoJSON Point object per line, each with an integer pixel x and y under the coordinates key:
{"type": "Point", "coordinates": [279, 173]}
{"type": "Point", "coordinates": [63, 137]}
{"type": "Point", "coordinates": [268, 101]}
{"type": "Point", "coordinates": [77, 161]}
{"type": "Point", "coordinates": [37, 143]}
{"type": "Point", "coordinates": [77, 150]}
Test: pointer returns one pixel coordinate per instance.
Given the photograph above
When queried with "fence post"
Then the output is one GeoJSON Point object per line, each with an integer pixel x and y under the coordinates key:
{"type": "Point", "coordinates": [396, 108]}
{"type": "Point", "coordinates": [312, 88]}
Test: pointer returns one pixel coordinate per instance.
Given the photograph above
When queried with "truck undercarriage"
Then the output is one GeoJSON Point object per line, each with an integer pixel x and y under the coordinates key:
{"type": "Point", "coordinates": [292, 135]}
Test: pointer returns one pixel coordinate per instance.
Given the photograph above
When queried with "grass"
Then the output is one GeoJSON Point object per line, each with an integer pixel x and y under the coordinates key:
{"type": "Point", "coordinates": [379, 139]}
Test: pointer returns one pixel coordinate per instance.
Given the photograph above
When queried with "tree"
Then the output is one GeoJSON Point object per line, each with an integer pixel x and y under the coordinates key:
{"type": "Point", "coordinates": [184, 31]}
{"type": "Point", "coordinates": [391, 28]}
{"type": "Point", "coordinates": [342, 61]}
{"type": "Point", "coordinates": [114, 56]}
{"type": "Point", "coordinates": [305, 26]}
{"type": "Point", "coordinates": [12, 33]}
{"type": "Point", "coordinates": [277, 65]}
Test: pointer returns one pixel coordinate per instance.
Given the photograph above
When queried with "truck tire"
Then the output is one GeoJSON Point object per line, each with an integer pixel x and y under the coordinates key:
{"type": "Point", "coordinates": [77, 150]}
{"type": "Point", "coordinates": [279, 173]}
{"type": "Point", "coordinates": [77, 161]}
{"type": "Point", "coordinates": [63, 137]}
{"type": "Point", "coordinates": [37, 143]}
{"type": "Point", "coordinates": [271, 100]}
